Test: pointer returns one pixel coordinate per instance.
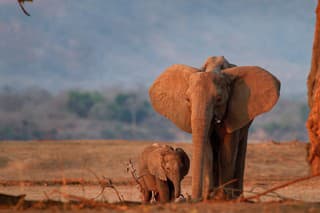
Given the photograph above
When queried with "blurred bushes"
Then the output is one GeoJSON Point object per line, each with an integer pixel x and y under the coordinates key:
{"type": "Point", "coordinates": [285, 122]}
{"type": "Point", "coordinates": [35, 113]}
{"type": "Point", "coordinates": [81, 103]}
{"type": "Point", "coordinates": [124, 107]}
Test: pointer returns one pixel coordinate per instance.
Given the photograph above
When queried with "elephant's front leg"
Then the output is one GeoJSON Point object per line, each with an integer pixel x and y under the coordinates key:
{"type": "Point", "coordinates": [146, 196]}
{"type": "Point", "coordinates": [227, 163]}
{"type": "Point", "coordinates": [163, 189]}
{"type": "Point", "coordinates": [208, 171]}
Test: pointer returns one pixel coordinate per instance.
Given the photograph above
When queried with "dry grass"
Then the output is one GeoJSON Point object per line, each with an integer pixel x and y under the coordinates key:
{"type": "Point", "coordinates": [268, 164]}
{"type": "Point", "coordinates": [45, 160]}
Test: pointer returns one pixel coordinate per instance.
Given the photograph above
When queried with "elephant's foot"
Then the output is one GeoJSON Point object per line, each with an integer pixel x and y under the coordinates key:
{"type": "Point", "coordinates": [180, 199]}
{"type": "Point", "coordinates": [219, 195]}
{"type": "Point", "coordinates": [155, 196]}
{"type": "Point", "coordinates": [195, 200]}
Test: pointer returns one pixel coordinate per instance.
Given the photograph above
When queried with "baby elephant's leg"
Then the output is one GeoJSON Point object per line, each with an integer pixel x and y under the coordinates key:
{"type": "Point", "coordinates": [146, 196]}
{"type": "Point", "coordinates": [145, 191]}
{"type": "Point", "coordinates": [163, 189]}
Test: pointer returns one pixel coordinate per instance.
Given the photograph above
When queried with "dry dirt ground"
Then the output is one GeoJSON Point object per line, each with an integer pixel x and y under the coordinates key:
{"type": "Point", "coordinates": [58, 170]}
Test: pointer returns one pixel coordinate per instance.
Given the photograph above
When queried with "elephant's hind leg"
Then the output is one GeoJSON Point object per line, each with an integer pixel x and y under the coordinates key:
{"type": "Point", "coordinates": [240, 162]}
{"type": "Point", "coordinates": [240, 165]}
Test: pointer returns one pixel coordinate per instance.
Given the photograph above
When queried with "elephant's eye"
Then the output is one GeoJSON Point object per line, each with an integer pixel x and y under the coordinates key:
{"type": "Point", "coordinates": [218, 99]}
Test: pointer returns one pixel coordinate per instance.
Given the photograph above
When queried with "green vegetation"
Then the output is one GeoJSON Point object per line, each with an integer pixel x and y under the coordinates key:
{"type": "Point", "coordinates": [37, 114]}
{"type": "Point", "coordinates": [81, 103]}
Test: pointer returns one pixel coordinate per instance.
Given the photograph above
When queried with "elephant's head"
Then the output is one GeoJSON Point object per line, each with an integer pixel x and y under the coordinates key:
{"type": "Point", "coordinates": [169, 164]}
{"type": "Point", "coordinates": [216, 64]}
{"type": "Point", "coordinates": [234, 95]}
{"type": "Point", "coordinates": [194, 99]}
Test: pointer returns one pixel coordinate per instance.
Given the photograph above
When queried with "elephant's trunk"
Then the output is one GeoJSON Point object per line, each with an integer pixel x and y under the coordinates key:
{"type": "Point", "coordinates": [199, 139]}
{"type": "Point", "coordinates": [177, 187]}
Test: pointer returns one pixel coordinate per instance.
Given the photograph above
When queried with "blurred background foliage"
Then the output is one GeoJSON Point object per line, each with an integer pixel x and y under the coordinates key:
{"type": "Point", "coordinates": [35, 113]}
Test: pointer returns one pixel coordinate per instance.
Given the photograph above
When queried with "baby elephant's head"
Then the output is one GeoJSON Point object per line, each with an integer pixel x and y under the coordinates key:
{"type": "Point", "coordinates": [175, 164]}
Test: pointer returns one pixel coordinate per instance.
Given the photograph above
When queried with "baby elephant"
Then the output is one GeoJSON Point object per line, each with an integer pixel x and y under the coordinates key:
{"type": "Point", "coordinates": [162, 169]}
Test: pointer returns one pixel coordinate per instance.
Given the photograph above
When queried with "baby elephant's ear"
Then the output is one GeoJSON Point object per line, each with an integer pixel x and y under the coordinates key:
{"type": "Point", "coordinates": [155, 162]}
{"type": "Point", "coordinates": [185, 160]}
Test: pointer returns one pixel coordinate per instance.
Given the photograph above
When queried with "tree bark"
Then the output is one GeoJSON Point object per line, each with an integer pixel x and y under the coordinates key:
{"type": "Point", "coordinates": [314, 71]}
{"type": "Point", "coordinates": [313, 83]}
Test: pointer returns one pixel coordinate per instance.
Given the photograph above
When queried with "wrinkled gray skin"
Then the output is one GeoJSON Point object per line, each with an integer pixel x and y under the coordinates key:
{"type": "Point", "coordinates": [162, 169]}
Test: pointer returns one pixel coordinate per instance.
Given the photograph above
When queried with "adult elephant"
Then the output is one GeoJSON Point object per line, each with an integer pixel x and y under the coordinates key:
{"type": "Point", "coordinates": [216, 105]}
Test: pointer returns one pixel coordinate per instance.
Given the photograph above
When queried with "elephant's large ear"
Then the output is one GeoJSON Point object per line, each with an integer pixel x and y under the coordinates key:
{"type": "Point", "coordinates": [155, 164]}
{"type": "Point", "coordinates": [254, 92]}
{"type": "Point", "coordinates": [168, 95]}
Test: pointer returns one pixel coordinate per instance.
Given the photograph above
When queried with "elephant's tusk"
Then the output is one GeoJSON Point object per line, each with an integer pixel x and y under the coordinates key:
{"type": "Point", "coordinates": [218, 121]}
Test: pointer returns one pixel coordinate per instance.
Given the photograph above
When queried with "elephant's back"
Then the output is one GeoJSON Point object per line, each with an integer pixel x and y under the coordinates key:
{"type": "Point", "coordinates": [143, 158]}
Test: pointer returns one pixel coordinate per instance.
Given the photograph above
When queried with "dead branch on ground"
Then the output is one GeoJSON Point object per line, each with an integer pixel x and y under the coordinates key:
{"type": "Point", "coordinates": [272, 194]}
{"type": "Point", "coordinates": [222, 186]}
{"type": "Point", "coordinates": [6, 199]}
{"type": "Point", "coordinates": [106, 183]}
{"type": "Point", "coordinates": [278, 187]}
{"type": "Point", "coordinates": [84, 202]}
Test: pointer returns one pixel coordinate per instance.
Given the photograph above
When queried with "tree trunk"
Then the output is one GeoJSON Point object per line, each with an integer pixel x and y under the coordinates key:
{"type": "Point", "coordinates": [314, 71]}
{"type": "Point", "coordinates": [313, 122]}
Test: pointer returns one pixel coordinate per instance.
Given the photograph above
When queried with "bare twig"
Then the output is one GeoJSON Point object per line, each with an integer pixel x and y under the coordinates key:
{"type": "Point", "coordinates": [22, 8]}
{"type": "Point", "coordinates": [222, 186]}
{"type": "Point", "coordinates": [106, 183]}
{"type": "Point", "coordinates": [132, 170]}
{"type": "Point", "coordinates": [82, 200]}
{"type": "Point", "coordinates": [19, 205]}
{"type": "Point", "coordinates": [273, 195]}
{"type": "Point", "coordinates": [227, 183]}
{"type": "Point", "coordinates": [279, 187]}
{"type": "Point", "coordinates": [46, 195]}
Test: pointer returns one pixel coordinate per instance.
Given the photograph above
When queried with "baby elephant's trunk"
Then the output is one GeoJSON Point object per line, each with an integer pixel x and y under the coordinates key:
{"type": "Point", "coordinates": [177, 187]}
